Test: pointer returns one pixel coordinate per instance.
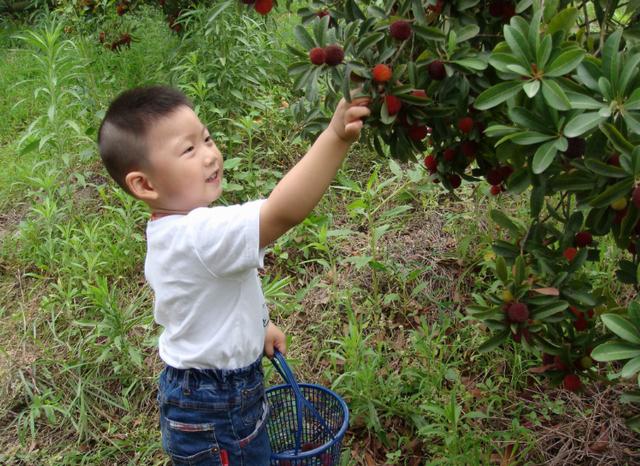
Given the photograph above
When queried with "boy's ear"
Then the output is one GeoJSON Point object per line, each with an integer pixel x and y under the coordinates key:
{"type": "Point", "coordinates": [140, 186]}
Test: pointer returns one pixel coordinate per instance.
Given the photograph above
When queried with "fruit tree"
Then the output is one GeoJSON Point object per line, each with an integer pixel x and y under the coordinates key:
{"type": "Point", "coordinates": [535, 98]}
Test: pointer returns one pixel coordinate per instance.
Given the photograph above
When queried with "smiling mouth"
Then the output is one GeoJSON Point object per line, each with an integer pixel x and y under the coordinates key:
{"type": "Point", "coordinates": [213, 177]}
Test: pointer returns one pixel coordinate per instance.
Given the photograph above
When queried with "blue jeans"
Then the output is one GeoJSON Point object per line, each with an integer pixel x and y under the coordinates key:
{"type": "Point", "coordinates": [214, 416]}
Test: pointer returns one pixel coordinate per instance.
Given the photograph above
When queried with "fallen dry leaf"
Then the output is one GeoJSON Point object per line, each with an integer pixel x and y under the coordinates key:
{"type": "Point", "coordinates": [601, 444]}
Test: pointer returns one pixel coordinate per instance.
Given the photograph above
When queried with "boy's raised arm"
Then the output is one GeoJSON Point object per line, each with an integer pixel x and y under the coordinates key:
{"type": "Point", "coordinates": [300, 190]}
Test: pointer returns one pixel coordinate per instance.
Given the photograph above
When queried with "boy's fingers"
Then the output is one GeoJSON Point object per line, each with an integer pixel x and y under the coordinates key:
{"type": "Point", "coordinates": [355, 113]}
{"type": "Point", "coordinates": [268, 349]}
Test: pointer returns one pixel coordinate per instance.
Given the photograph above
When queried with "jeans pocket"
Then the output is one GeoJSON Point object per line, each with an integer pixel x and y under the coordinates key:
{"type": "Point", "coordinates": [251, 404]}
{"type": "Point", "coordinates": [190, 443]}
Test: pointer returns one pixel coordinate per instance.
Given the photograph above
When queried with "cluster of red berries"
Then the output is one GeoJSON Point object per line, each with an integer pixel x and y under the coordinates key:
{"type": "Point", "coordinates": [261, 6]}
{"type": "Point", "coordinates": [497, 176]}
{"type": "Point", "coordinates": [570, 380]}
{"type": "Point", "coordinates": [331, 55]}
{"type": "Point", "coordinates": [122, 8]}
{"type": "Point", "coordinates": [502, 9]}
{"type": "Point", "coordinates": [581, 323]}
{"type": "Point", "coordinates": [124, 40]}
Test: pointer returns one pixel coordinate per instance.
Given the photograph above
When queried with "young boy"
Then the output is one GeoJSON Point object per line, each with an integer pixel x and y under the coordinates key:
{"type": "Point", "coordinates": [202, 266]}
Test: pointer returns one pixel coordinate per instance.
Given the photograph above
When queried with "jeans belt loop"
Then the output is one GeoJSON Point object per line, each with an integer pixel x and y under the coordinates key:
{"type": "Point", "coordinates": [186, 389]}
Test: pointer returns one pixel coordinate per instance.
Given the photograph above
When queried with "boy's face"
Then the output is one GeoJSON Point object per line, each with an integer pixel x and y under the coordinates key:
{"type": "Point", "coordinates": [185, 164]}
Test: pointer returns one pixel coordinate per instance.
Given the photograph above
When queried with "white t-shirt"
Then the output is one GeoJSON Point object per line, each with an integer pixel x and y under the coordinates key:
{"type": "Point", "coordinates": [202, 267]}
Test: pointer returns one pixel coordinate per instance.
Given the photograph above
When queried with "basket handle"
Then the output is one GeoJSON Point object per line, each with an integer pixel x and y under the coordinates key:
{"type": "Point", "coordinates": [285, 371]}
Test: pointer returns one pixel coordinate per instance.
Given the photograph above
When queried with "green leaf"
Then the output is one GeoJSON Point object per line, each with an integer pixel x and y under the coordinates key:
{"type": "Point", "coordinates": [304, 38]}
{"type": "Point", "coordinates": [505, 222]}
{"type": "Point", "coordinates": [518, 43]}
{"type": "Point", "coordinates": [612, 193]}
{"type": "Point", "coordinates": [549, 310]}
{"type": "Point", "coordinates": [563, 21]}
{"type": "Point", "coordinates": [467, 32]}
{"type": "Point", "coordinates": [497, 94]}
{"type": "Point", "coordinates": [544, 51]}
{"type": "Point", "coordinates": [428, 33]}
{"type": "Point", "coordinates": [368, 41]}
{"type": "Point", "coordinates": [629, 70]}
{"type": "Point", "coordinates": [582, 123]}
{"type": "Point", "coordinates": [633, 102]}
{"type": "Point", "coordinates": [605, 169]}
{"type": "Point", "coordinates": [617, 140]}
{"type": "Point", "coordinates": [501, 269]}
{"type": "Point", "coordinates": [631, 162]}
{"type": "Point", "coordinates": [611, 56]}
{"type": "Point", "coordinates": [544, 157]}
{"type": "Point", "coordinates": [579, 296]}
{"type": "Point", "coordinates": [633, 123]}
{"type": "Point", "coordinates": [526, 138]}
{"type": "Point", "coordinates": [565, 62]}
{"type": "Point", "coordinates": [581, 101]}
{"type": "Point", "coordinates": [529, 120]}
{"type": "Point", "coordinates": [621, 327]}
{"type": "Point", "coordinates": [531, 88]}
{"type": "Point", "coordinates": [500, 61]}
{"type": "Point", "coordinates": [630, 368]}
{"type": "Point", "coordinates": [493, 342]}
{"type": "Point", "coordinates": [613, 351]}
{"type": "Point", "coordinates": [554, 95]}
{"type": "Point", "coordinates": [474, 64]}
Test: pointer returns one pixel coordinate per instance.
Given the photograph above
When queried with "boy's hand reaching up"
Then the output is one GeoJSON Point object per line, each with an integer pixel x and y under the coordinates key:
{"type": "Point", "coordinates": [274, 338]}
{"type": "Point", "coordinates": [347, 119]}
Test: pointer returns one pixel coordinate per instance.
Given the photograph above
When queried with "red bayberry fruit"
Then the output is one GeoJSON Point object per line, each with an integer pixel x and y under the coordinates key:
{"type": "Point", "coordinates": [518, 312]}
{"type": "Point", "coordinates": [571, 382]}
{"type": "Point", "coordinates": [560, 365]}
{"type": "Point", "coordinates": [437, 71]}
{"type": "Point", "coordinates": [494, 176]}
{"type": "Point", "coordinates": [419, 93]}
{"type": "Point", "coordinates": [506, 171]}
{"type": "Point", "coordinates": [465, 124]}
{"type": "Point", "coordinates": [101, 37]}
{"type": "Point", "coordinates": [575, 147]}
{"type": "Point", "coordinates": [570, 254]}
{"type": "Point", "coordinates": [333, 55]}
{"type": "Point", "coordinates": [263, 6]}
{"type": "Point", "coordinates": [400, 30]}
{"type": "Point", "coordinates": [455, 181]}
{"type": "Point", "coordinates": [631, 248]}
{"type": "Point", "coordinates": [418, 132]}
{"type": "Point", "coordinates": [508, 10]}
{"type": "Point", "coordinates": [121, 9]}
{"type": "Point", "coordinates": [431, 163]}
{"type": "Point", "coordinates": [547, 359]}
{"type": "Point", "coordinates": [322, 13]}
{"type": "Point", "coordinates": [614, 160]}
{"type": "Point", "coordinates": [393, 104]}
{"type": "Point", "coordinates": [517, 337]}
{"type": "Point", "coordinates": [449, 154]}
{"type": "Point", "coordinates": [381, 73]}
{"type": "Point", "coordinates": [469, 148]}
{"type": "Point", "coordinates": [496, 189]}
{"type": "Point", "coordinates": [496, 8]}
{"type": "Point", "coordinates": [317, 55]}
{"type": "Point", "coordinates": [583, 238]}
{"type": "Point", "coordinates": [635, 197]}
{"type": "Point", "coordinates": [581, 324]}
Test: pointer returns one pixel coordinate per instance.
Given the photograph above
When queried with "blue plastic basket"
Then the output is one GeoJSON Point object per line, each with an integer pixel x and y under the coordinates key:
{"type": "Point", "coordinates": [306, 423]}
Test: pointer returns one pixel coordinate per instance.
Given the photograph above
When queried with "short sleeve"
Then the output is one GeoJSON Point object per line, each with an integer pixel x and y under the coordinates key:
{"type": "Point", "coordinates": [227, 239]}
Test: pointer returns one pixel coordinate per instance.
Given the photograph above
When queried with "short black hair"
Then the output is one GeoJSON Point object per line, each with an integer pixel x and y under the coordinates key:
{"type": "Point", "coordinates": [122, 135]}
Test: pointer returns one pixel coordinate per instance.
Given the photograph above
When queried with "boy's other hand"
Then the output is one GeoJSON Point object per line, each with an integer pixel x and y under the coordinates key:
{"type": "Point", "coordinates": [347, 120]}
{"type": "Point", "coordinates": [274, 338]}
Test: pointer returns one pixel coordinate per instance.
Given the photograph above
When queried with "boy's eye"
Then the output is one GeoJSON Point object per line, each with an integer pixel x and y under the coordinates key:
{"type": "Point", "coordinates": [189, 149]}
{"type": "Point", "coordinates": [207, 139]}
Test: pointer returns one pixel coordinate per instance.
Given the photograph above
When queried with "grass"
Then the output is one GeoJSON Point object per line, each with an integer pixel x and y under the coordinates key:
{"type": "Point", "coordinates": [370, 289]}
